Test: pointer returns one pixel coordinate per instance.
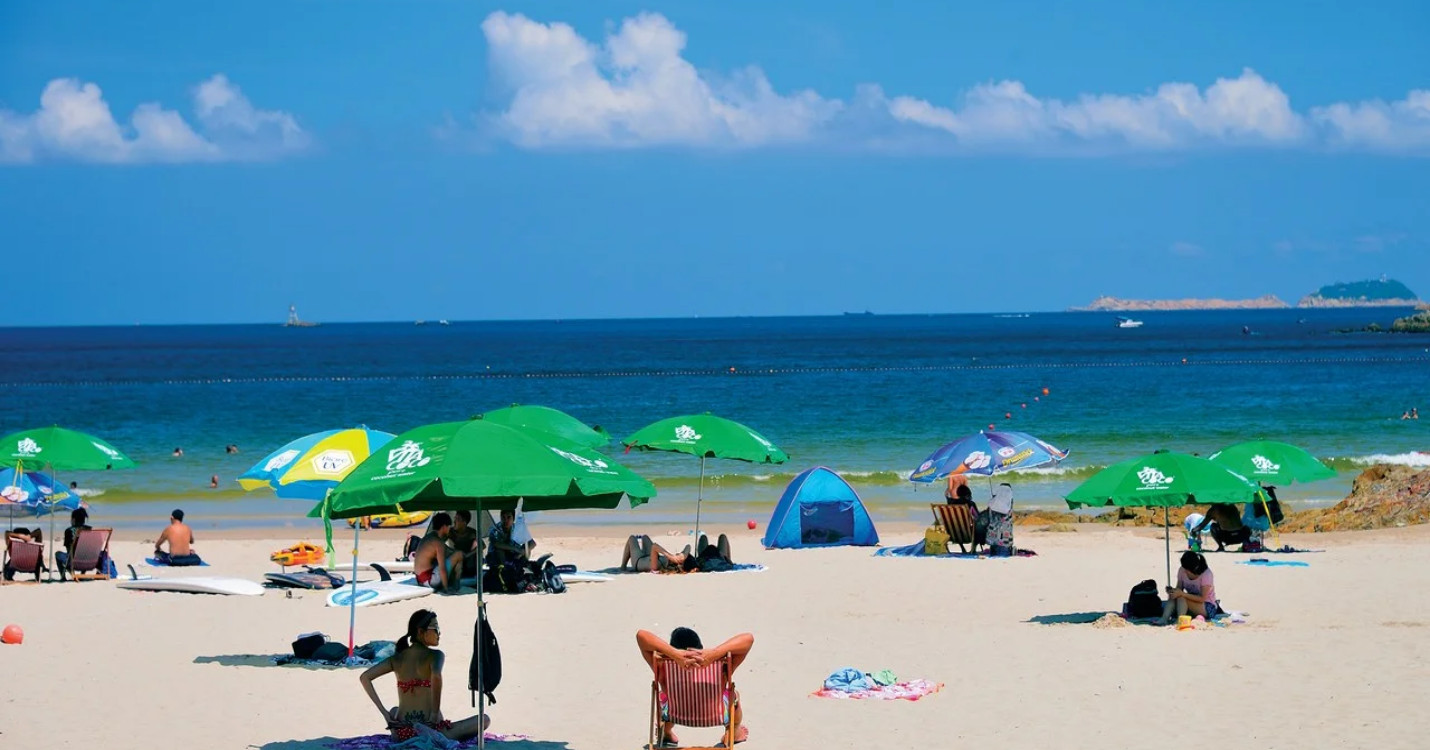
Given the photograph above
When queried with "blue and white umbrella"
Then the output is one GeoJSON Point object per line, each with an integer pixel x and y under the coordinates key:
{"type": "Point", "coordinates": [33, 494]}
{"type": "Point", "coordinates": [986, 454]}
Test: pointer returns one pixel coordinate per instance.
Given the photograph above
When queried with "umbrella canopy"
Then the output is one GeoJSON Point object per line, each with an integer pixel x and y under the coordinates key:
{"type": "Point", "coordinates": [986, 454]}
{"type": "Point", "coordinates": [1272, 462]}
{"type": "Point", "coordinates": [1162, 480]}
{"type": "Point", "coordinates": [33, 493]}
{"type": "Point", "coordinates": [62, 449]}
{"type": "Point", "coordinates": [481, 465]}
{"type": "Point", "coordinates": [306, 468]}
{"type": "Point", "coordinates": [707, 436]}
{"type": "Point", "coordinates": [550, 422]}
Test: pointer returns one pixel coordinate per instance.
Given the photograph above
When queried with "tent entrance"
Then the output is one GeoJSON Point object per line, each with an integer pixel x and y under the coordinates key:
{"type": "Point", "coordinates": [824, 522]}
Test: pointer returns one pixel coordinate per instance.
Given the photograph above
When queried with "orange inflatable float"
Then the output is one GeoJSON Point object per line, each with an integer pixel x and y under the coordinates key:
{"type": "Point", "coordinates": [302, 553]}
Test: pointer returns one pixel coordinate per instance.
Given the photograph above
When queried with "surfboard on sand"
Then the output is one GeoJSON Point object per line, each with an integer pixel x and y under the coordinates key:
{"type": "Point", "coordinates": [373, 593]}
{"type": "Point", "coordinates": [195, 585]}
{"type": "Point", "coordinates": [313, 578]}
{"type": "Point", "coordinates": [585, 576]}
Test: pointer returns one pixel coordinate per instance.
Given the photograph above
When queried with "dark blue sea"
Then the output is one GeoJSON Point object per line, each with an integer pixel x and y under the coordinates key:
{"type": "Point", "coordinates": [868, 395]}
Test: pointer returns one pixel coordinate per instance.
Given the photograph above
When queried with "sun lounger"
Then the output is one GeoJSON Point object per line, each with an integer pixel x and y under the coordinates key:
{"type": "Point", "coordinates": [91, 551]}
{"type": "Point", "coordinates": [692, 697]}
{"type": "Point", "coordinates": [960, 523]}
{"type": "Point", "coordinates": [23, 556]}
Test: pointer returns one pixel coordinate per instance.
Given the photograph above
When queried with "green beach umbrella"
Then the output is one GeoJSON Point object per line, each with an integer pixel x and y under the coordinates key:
{"type": "Point", "coordinates": [549, 422]}
{"type": "Point", "coordinates": [62, 449]}
{"type": "Point", "coordinates": [477, 465]}
{"type": "Point", "coordinates": [1272, 462]}
{"type": "Point", "coordinates": [1162, 480]}
{"type": "Point", "coordinates": [706, 436]}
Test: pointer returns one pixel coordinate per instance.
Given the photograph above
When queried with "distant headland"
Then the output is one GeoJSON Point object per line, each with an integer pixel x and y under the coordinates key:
{"type": "Point", "coordinates": [1376, 293]}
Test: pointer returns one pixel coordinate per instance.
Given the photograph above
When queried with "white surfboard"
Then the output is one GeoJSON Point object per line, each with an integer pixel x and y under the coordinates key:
{"type": "Point", "coordinates": [585, 576]}
{"type": "Point", "coordinates": [196, 585]}
{"type": "Point", "coordinates": [373, 593]}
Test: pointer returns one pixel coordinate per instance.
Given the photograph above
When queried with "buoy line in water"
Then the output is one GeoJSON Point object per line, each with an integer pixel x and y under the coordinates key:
{"type": "Point", "coordinates": [726, 372]}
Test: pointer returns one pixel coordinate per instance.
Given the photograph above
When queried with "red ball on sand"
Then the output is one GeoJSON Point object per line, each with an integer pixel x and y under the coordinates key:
{"type": "Point", "coordinates": [12, 634]}
{"type": "Point", "coordinates": [751, 523]}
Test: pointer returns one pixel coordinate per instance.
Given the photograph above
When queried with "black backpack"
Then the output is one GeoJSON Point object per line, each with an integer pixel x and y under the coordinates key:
{"type": "Point", "coordinates": [551, 578]}
{"type": "Point", "coordinates": [1144, 601]}
{"type": "Point", "coordinates": [484, 647]}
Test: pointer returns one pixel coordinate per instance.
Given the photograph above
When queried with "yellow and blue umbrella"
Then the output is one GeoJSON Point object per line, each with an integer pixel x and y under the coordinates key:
{"type": "Point", "coordinates": [32, 494]}
{"type": "Point", "coordinates": [308, 467]}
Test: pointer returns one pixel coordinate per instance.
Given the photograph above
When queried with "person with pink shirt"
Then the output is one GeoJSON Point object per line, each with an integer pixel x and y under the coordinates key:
{"type": "Point", "coordinates": [1195, 592]}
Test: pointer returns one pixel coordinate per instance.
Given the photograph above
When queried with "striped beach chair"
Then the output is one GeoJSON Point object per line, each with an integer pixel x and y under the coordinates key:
{"type": "Point", "coordinates": [23, 556]}
{"type": "Point", "coordinates": [91, 552]}
{"type": "Point", "coordinates": [692, 697]}
{"type": "Point", "coordinates": [960, 522]}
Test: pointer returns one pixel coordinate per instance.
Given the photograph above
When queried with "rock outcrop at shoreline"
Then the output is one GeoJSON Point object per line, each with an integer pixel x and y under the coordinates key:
{"type": "Point", "coordinates": [1417, 323]}
{"type": "Point", "coordinates": [1114, 304]}
{"type": "Point", "coordinates": [1383, 496]}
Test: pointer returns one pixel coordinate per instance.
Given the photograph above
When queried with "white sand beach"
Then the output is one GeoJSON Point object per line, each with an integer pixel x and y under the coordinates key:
{"type": "Point", "coordinates": [1334, 655]}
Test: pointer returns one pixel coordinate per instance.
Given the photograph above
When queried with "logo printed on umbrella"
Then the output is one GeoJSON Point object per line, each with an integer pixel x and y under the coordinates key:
{"type": "Point", "coordinates": [686, 434]}
{"type": "Point", "coordinates": [1264, 465]}
{"type": "Point", "coordinates": [409, 455]}
{"type": "Point", "coordinates": [1152, 479]}
{"type": "Point", "coordinates": [28, 447]}
{"type": "Point", "coordinates": [280, 460]}
{"type": "Point", "coordinates": [332, 462]}
{"type": "Point", "coordinates": [763, 441]}
{"type": "Point", "coordinates": [977, 460]}
{"type": "Point", "coordinates": [14, 494]}
{"type": "Point", "coordinates": [108, 451]}
{"type": "Point", "coordinates": [1006, 451]}
{"type": "Point", "coordinates": [597, 465]}
{"type": "Point", "coordinates": [1017, 458]}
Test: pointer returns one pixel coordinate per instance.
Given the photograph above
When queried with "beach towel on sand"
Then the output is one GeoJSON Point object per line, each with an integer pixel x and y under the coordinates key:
{"type": "Point", "coordinates": [911, 690]}
{"type": "Point", "coordinates": [743, 567]}
{"type": "Point", "coordinates": [384, 742]}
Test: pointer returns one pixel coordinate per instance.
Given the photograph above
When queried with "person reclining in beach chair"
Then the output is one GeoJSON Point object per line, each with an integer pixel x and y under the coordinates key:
{"type": "Point", "coordinates": [959, 519]}
{"type": "Point", "coordinates": [694, 686]}
{"type": "Point", "coordinates": [86, 549]}
{"type": "Point", "coordinates": [23, 553]}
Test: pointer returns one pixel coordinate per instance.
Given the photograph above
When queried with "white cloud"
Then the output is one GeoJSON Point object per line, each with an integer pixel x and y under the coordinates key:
{"type": "Point", "coordinates": [1377, 125]}
{"type": "Point", "coordinates": [635, 89]}
{"type": "Point", "coordinates": [74, 123]}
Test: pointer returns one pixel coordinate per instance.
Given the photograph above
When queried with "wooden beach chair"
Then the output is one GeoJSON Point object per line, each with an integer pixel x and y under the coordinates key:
{"type": "Point", "coordinates": [960, 522]}
{"type": "Point", "coordinates": [91, 549]}
{"type": "Point", "coordinates": [23, 556]}
{"type": "Point", "coordinates": [692, 697]}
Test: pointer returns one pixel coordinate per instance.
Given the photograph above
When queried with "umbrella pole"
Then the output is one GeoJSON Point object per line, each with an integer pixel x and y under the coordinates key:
{"type": "Point", "coordinates": [50, 569]}
{"type": "Point", "coordinates": [352, 597]}
{"type": "Point", "coordinates": [481, 615]}
{"type": "Point", "coordinates": [1167, 538]}
{"type": "Point", "coordinates": [699, 495]}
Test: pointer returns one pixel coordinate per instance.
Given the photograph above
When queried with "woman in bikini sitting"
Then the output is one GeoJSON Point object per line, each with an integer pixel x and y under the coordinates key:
{"type": "Point", "coordinates": [417, 665]}
{"type": "Point", "coordinates": [643, 555]}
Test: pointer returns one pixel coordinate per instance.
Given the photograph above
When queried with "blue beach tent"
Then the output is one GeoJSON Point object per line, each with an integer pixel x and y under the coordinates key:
{"type": "Point", "coordinates": [819, 509]}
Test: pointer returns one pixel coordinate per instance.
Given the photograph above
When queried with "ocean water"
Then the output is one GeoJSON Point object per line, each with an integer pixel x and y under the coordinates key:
{"type": "Point", "coordinates": [868, 395]}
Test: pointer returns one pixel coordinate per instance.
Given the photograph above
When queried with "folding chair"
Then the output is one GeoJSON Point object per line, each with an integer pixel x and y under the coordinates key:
{"type": "Point", "coordinates": [23, 556]}
{"type": "Point", "coordinates": [91, 550]}
{"type": "Point", "coordinates": [692, 697]}
{"type": "Point", "coordinates": [960, 522]}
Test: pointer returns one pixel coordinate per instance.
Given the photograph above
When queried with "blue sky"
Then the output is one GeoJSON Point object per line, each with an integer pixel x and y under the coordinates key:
{"type": "Point", "coordinates": [212, 163]}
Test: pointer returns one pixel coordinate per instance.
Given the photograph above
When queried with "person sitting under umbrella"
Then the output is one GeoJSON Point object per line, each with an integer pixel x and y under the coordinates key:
{"type": "Point", "coordinates": [1224, 522]}
{"type": "Point", "coordinates": [78, 522]}
{"type": "Point", "coordinates": [1195, 592]}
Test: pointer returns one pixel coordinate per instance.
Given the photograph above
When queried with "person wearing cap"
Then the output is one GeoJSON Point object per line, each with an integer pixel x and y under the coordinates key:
{"type": "Point", "coordinates": [180, 539]}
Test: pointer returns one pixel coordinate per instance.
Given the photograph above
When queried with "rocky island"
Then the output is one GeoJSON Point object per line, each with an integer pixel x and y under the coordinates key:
{"type": "Point", "coordinates": [1376, 293]}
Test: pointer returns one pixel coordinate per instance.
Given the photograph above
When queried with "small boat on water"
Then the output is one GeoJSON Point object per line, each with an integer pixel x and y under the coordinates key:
{"type": "Point", "coordinates": [1128, 322]}
{"type": "Point", "coordinates": [294, 321]}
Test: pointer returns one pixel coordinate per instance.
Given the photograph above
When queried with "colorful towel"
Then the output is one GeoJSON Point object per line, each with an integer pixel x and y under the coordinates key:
{"type": "Point", "coordinates": [384, 741]}
{"type": "Point", "coordinates": [917, 550]}
{"type": "Point", "coordinates": [903, 691]}
{"type": "Point", "coordinates": [1275, 563]}
{"type": "Point", "coordinates": [155, 562]}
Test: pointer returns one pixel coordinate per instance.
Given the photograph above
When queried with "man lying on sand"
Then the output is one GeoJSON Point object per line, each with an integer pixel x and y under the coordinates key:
{"type": "Point", "coordinates": [686, 649]}
{"type": "Point", "coordinates": [435, 566]}
{"type": "Point", "coordinates": [645, 556]}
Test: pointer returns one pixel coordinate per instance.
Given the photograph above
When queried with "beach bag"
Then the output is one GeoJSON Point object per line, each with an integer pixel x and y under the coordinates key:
{"type": "Point", "coordinates": [551, 581]}
{"type": "Point", "coordinates": [1144, 601]}
{"type": "Point", "coordinates": [1277, 516]}
{"type": "Point", "coordinates": [935, 541]}
{"type": "Point", "coordinates": [485, 648]}
{"type": "Point", "coordinates": [307, 645]}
